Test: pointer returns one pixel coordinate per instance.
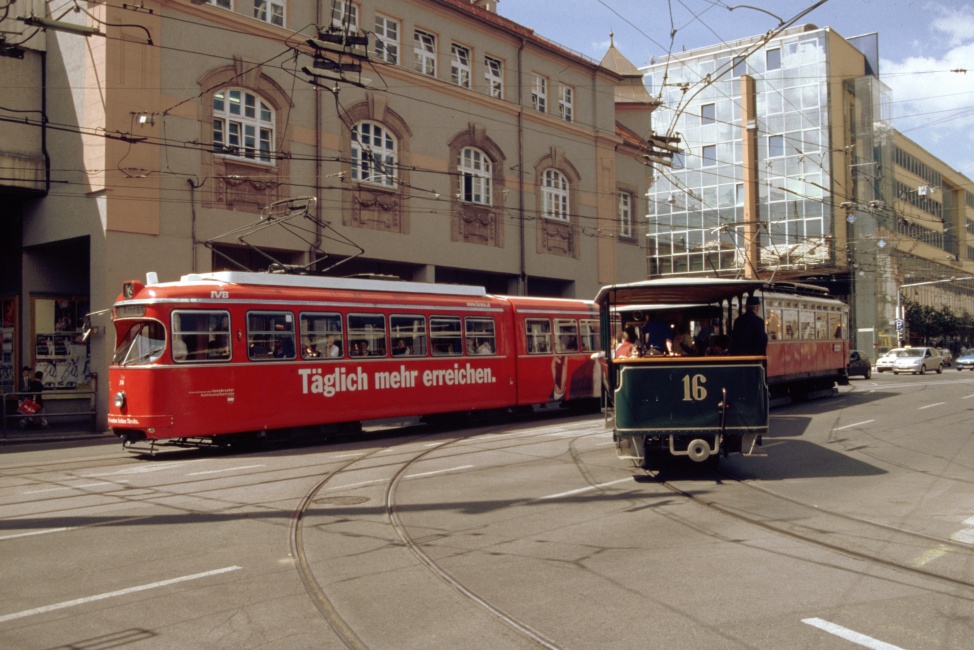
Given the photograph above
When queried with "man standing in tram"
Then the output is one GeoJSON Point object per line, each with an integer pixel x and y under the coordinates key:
{"type": "Point", "coordinates": [749, 337]}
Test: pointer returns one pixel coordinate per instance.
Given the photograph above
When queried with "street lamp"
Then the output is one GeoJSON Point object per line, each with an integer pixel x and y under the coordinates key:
{"type": "Point", "coordinates": [899, 307]}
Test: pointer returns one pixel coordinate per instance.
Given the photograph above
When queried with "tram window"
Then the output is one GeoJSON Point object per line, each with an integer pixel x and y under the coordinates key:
{"type": "Point", "coordinates": [408, 334]}
{"type": "Point", "coordinates": [481, 337]}
{"type": "Point", "coordinates": [806, 322]}
{"type": "Point", "coordinates": [538, 331]}
{"type": "Point", "coordinates": [821, 325]}
{"type": "Point", "coordinates": [143, 343]}
{"type": "Point", "coordinates": [321, 336]}
{"type": "Point", "coordinates": [200, 335]}
{"type": "Point", "coordinates": [790, 319]}
{"type": "Point", "coordinates": [270, 335]}
{"type": "Point", "coordinates": [566, 335]}
{"type": "Point", "coordinates": [367, 335]}
{"type": "Point", "coordinates": [445, 335]}
{"type": "Point", "coordinates": [590, 335]}
{"type": "Point", "coordinates": [773, 325]}
{"type": "Point", "coordinates": [835, 325]}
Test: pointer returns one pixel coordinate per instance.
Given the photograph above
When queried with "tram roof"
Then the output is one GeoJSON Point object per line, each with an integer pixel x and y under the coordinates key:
{"type": "Point", "coordinates": [697, 291]}
{"type": "Point", "coordinates": [327, 282]}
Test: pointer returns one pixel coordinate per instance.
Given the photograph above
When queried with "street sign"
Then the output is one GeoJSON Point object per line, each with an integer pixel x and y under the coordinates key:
{"type": "Point", "coordinates": [899, 324]}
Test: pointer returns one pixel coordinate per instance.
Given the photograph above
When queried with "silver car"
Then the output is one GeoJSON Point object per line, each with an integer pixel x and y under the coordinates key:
{"type": "Point", "coordinates": [885, 361]}
{"type": "Point", "coordinates": [918, 361]}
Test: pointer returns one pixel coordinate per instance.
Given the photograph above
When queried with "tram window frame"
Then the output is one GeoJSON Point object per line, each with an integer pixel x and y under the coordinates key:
{"type": "Point", "coordinates": [835, 324]}
{"type": "Point", "coordinates": [773, 322]}
{"type": "Point", "coordinates": [207, 344]}
{"type": "Point", "coordinates": [368, 328]}
{"type": "Point", "coordinates": [789, 319]}
{"type": "Point", "coordinates": [480, 331]}
{"type": "Point", "coordinates": [821, 325]}
{"type": "Point", "coordinates": [446, 336]}
{"type": "Point", "coordinates": [566, 336]}
{"type": "Point", "coordinates": [806, 324]}
{"type": "Point", "coordinates": [537, 332]}
{"type": "Point", "coordinates": [314, 336]}
{"type": "Point", "coordinates": [404, 327]}
{"type": "Point", "coordinates": [266, 328]}
{"type": "Point", "coordinates": [144, 342]}
{"type": "Point", "coordinates": [588, 335]}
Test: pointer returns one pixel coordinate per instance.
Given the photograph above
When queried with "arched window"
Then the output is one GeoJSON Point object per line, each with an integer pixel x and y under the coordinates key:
{"type": "Point", "coordinates": [475, 176]}
{"type": "Point", "coordinates": [374, 154]}
{"type": "Point", "coordinates": [243, 125]}
{"type": "Point", "coordinates": [554, 195]}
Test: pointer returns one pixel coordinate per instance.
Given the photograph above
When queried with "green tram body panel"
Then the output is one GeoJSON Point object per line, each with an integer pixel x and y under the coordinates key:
{"type": "Point", "coordinates": [684, 399]}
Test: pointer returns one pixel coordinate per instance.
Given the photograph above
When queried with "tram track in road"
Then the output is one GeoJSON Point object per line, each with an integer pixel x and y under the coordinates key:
{"type": "Point", "coordinates": [319, 594]}
{"type": "Point", "coordinates": [917, 553]}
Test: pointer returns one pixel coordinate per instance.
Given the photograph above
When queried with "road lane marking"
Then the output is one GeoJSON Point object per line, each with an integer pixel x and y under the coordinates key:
{"type": "Point", "coordinates": [35, 532]}
{"type": "Point", "coordinates": [439, 471]}
{"type": "Point", "coordinates": [857, 424]}
{"type": "Point", "coordinates": [965, 536]}
{"type": "Point", "coordinates": [930, 406]}
{"type": "Point", "coordinates": [114, 594]}
{"type": "Point", "coordinates": [849, 635]}
{"type": "Point", "coordinates": [219, 471]}
{"type": "Point", "coordinates": [930, 555]}
{"type": "Point", "coordinates": [584, 489]}
{"type": "Point", "coordinates": [76, 487]}
{"type": "Point", "coordinates": [968, 397]}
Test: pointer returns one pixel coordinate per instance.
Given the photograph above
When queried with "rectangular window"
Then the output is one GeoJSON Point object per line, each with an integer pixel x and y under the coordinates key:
{"type": "Point", "coordinates": [739, 194]}
{"type": "Point", "coordinates": [538, 332]}
{"type": "Point", "coordinates": [200, 336]}
{"type": "Point", "coordinates": [776, 146]}
{"type": "Point", "coordinates": [709, 155]}
{"type": "Point", "coordinates": [344, 15]}
{"type": "Point", "coordinates": [387, 39]}
{"type": "Point", "coordinates": [460, 65]}
{"type": "Point", "coordinates": [445, 336]}
{"type": "Point", "coordinates": [366, 335]}
{"type": "Point", "coordinates": [625, 214]}
{"type": "Point", "coordinates": [424, 53]}
{"type": "Point", "coordinates": [539, 94]}
{"type": "Point", "coordinates": [408, 335]}
{"type": "Point", "coordinates": [494, 76]}
{"type": "Point", "coordinates": [270, 335]}
{"type": "Point", "coordinates": [221, 3]}
{"type": "Point", "coordinates": [566, 103]}
{"type": "Point", "coordinates": [821, 325]}
{"type": "Point", "coordinates": [590, 335]}
{"type": "Point", "coordinates": [773, 323]}
{"type": "Point", "coordinates": [740, 67]}
{"type": "Point", "coordinates": [790, 319]}
{"type": "Point", "coordinates": [773, 58]}
{"type": "Point", "coordinates": [806, 322]}
{"type": "Point", "coordinates": [708, 113]}
{"type": "Point", "coordinates": [321, 336]}
{"type": "Point", "coordinates": [270, 11]}
{"type": "Point", "coordinates": [481, 337]}
{"type": "Point", "coordinates": [566, 335]}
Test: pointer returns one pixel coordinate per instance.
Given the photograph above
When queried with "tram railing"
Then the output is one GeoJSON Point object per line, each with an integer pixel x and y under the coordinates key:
{"type": "Point", "coordinates": [62, 409]}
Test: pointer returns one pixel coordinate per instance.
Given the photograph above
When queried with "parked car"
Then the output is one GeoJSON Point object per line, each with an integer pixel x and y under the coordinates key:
{"type": "Point", "coordinates": [947, 355]}
{"type": "Point", "coordinates": [918, 361]}
{"type": "Point", "coordinates": [965, 361]}
{"type": "Point", "coordinates": [885, 362]}
{"type": "Point", "coordinates": [859, 364]}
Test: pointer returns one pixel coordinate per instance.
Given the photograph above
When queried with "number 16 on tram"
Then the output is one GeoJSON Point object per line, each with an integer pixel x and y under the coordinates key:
{"type": "Point", "coordinates": [665, 400]}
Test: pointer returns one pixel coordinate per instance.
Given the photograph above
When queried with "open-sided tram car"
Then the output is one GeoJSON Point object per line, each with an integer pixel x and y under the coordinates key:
{"type": "Point", "coordinates": [705, 403]}
{"type": "Point", "coordinates": [219, 356]}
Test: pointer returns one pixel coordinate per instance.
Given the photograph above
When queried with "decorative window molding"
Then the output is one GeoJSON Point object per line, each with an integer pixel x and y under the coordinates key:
{"type": "Point", "coordinates": [375, 156]}
{"type": "Point", "coordinates": [243, 125]}
{"type": "Point", "coordinates": [478, 206]}
{"type": "Point", "coordinates": [557, 183]}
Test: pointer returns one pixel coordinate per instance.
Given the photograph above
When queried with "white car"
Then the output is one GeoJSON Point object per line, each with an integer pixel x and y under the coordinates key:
{"type": "Point", "coordinates": [885, 361]}
{"type": "Point", "coordinates": [918, 361]}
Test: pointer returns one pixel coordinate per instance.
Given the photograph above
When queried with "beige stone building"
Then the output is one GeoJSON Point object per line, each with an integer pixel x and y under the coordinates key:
{"type": "Point", "coordinates": [442, 143]}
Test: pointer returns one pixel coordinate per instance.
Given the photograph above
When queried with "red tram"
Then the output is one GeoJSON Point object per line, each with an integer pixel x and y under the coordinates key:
{"type": "Point", "coordinates": [217, 356]}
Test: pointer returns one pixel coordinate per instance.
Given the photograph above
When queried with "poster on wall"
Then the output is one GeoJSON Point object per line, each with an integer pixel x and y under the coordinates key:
{"type": "Point", "coordinates": [60, 352]}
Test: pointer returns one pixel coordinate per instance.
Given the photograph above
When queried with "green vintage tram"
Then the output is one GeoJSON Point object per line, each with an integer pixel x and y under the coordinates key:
{"type": "Point", "coordinates": [673, 386]}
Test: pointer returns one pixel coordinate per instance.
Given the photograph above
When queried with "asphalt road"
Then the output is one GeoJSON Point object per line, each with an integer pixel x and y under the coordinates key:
{"type": "Point", "coordinates": [857, 528]}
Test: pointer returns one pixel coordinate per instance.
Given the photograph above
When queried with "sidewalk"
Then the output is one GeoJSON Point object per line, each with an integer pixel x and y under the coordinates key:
{"type": "Point", "coordinates": [18, 436]}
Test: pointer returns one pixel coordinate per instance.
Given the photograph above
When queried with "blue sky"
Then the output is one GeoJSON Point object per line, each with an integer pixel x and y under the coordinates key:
{"type": "Point", "coordinates": [920, 42]}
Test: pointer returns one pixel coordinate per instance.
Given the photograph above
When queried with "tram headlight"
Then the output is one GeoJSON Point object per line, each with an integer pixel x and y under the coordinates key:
{"type": "Point", "coordinates": [119, 399]}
